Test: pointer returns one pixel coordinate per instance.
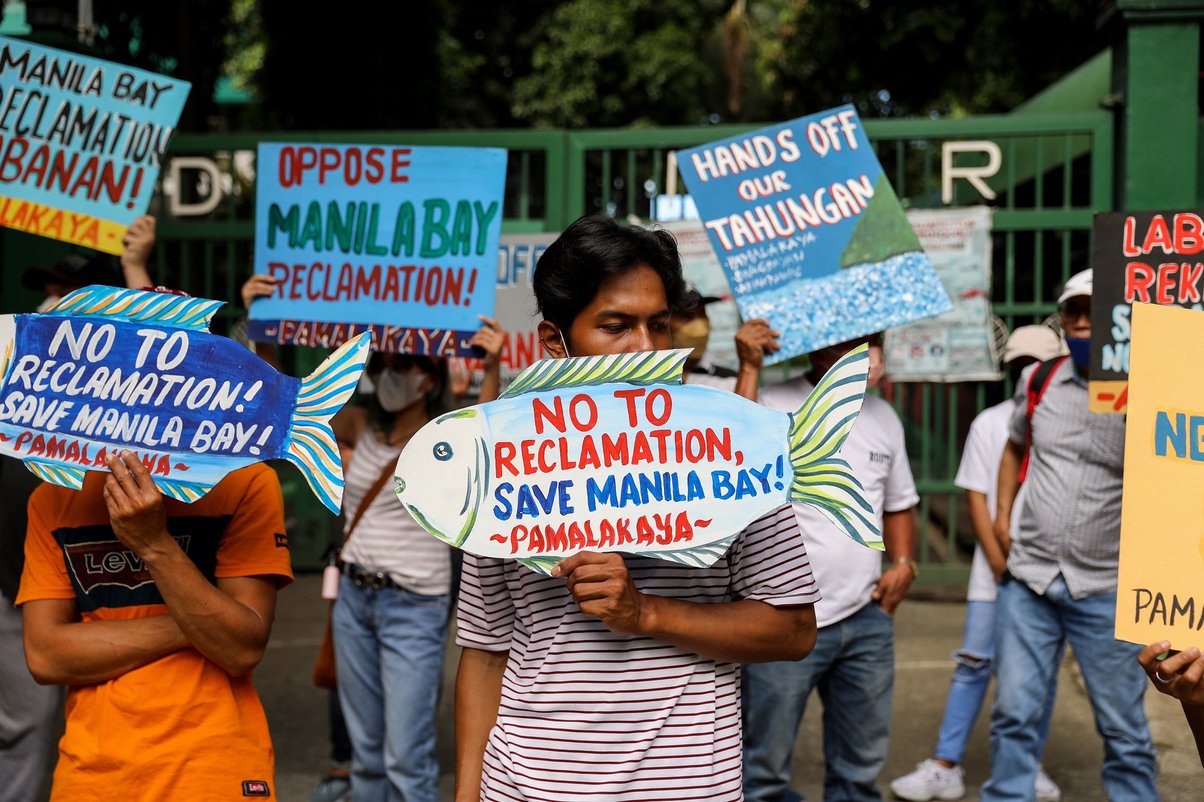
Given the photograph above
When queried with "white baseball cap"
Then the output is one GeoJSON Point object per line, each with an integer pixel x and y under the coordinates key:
{"type": "Point", "coordinates": [1078, 284]}
{"type": "Point", "coordinates": [1038, 342]}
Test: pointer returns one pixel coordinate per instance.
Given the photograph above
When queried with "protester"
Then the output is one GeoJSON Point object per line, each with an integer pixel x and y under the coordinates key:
{"type": "Point", "coordinates": [29, 719]}
{"type": "Point", "coordinates": [941, 777]}
{"type": "Point", "coordinates": [159, 646]}
{"type": "Point", "coordinates": [1180, 675]}
{"type": "Point", "coordinates": [691, 328]}
{"type": "Point", "coordinates": [1060, 583]}
{"type": "Point", "coordinates": [617, 677]}
{"type": "Point", "coordinates": [852, 665]}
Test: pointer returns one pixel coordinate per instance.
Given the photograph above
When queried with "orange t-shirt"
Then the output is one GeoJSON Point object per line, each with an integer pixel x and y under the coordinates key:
{"type": "Point", "coordinates": [179, 727]}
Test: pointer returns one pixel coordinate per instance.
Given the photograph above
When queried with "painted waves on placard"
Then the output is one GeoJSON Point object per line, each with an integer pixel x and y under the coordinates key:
{"type": "Point", "coordinates": [139, 306]}
{"type": "Point", "coordinates": [643, 368]}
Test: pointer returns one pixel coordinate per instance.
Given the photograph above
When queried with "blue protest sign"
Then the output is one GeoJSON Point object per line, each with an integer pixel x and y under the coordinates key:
{"type": "Point", "coordinates": [81, 142]}
{"type": "Point", "coordinates": [397, 241]}
{"type": "Point", "coordinates": [810, 232]}
{"type": "Point", "coordinates": [108, 369]}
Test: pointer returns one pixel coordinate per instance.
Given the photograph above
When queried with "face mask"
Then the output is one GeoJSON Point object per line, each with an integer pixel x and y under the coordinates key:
{"type": "Point", "coordinates": [693, 334]}
{"type": "Point", "coordinates": [50, 301]}
{"type": "Point", "coordinates": [563, 342]}
{"type": "Point", "coordinates": [366, 385]}
{"type": "Point", "coordinates": [1080, 350]}
{"type": "Point", "coordinates": [396, 391]}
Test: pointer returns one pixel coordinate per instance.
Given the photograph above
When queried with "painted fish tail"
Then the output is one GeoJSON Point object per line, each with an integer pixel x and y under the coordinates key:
{"type": "Point", "coordinates": [311, 443]}
{"type": "Point", "coordinates": [817, 431]}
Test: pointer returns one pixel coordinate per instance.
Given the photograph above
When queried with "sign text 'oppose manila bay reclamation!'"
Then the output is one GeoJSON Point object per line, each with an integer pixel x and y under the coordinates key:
{"type": "Point", "coordinates": [810, 232]}
{"type": "Point", "coordinates": [397, 241]}
{"type": "Point", "coordinates": [81, 142]}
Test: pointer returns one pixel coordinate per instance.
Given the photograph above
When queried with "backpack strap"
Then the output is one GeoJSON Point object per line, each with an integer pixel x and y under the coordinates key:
{"type": "Point", "coordinates": [1038, 383]}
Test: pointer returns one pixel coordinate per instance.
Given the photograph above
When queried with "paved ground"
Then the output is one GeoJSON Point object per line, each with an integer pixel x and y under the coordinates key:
{"type": "Point", "coordinates": [927, 632]}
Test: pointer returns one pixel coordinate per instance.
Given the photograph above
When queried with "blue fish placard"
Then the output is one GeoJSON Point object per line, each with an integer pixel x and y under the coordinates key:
{"type": "Point", "coordinates": [108, 369]}
{"type": "Point", "coordinates": [614, 453]}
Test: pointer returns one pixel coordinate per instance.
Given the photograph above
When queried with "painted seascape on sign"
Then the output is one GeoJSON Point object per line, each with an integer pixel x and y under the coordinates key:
{"type": "Point", "coordinates": [810, 233]}
{"type": "Point", "coordinates": [613, 453]}
{"type": "Point", "coordinates": [108, 369]}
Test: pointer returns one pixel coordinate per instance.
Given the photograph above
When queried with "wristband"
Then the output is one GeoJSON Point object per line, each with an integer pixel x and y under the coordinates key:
{"type": "Point", "coordinates": [910, 563]}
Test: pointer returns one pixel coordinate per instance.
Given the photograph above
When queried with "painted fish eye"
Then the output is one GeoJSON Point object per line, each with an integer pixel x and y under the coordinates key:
{"type": "Point", "coordinates": [442, 451]}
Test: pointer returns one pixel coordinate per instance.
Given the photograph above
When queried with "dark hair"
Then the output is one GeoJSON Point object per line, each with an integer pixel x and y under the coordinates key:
{"type": "Point", "coordinates": [593, 249]}
{"type": "Point", "coordinates": [436, 399]}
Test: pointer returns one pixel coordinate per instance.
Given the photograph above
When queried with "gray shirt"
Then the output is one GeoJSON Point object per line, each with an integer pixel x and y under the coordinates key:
{"type": "Point", "coordinates": [1070, 523]}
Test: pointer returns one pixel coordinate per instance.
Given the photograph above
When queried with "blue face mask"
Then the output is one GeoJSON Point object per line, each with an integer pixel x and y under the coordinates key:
{"type": "Point", "coordinates": [1080, 350]}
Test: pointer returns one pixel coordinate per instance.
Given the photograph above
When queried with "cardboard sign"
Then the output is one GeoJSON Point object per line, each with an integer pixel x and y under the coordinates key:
{"type": "Point", "coordinates": [810, 233]}
{"type": "Point", "coordinates": [399, 242]}
{"type": "Point", "coordinates": [958, 345]}
{"type": "Point", "coordinates": [613, 453]}
{"type": "Point", "coordinates": [1142, 257]}
{"type": "Point", "coordinates": [514, 308]}
{"type": "Point", "coordinates": [81, 142]}
{"type": "Point", "coordinates": [702, 269]}
{"type": "Point", "coordinates": [1159, 593]}
{"type": "Point", "coordinates": [109, 369]}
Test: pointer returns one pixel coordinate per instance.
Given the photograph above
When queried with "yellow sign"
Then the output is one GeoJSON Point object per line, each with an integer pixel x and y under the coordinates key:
{"type": "Point", "coordinates": [1160, 591]}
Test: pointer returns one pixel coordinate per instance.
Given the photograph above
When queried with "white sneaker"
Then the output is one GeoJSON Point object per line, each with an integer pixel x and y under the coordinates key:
{"type": "Point", "coordinates": [1047, 790]}
{"type": "Point", "coordinates": [930, 781]}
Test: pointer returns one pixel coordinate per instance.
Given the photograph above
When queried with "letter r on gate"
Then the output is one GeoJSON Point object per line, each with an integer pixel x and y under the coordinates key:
{"type": "Point", "coordinates": [974, 175]}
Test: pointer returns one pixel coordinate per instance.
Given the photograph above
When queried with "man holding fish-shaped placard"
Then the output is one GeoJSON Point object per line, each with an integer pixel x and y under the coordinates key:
{"type": "Point", "coordinates": [601, 650]}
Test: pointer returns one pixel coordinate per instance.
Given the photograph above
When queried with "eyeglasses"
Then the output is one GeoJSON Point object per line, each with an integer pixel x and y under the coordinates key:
{"type": "Point", "coordinates": [1075, 308]}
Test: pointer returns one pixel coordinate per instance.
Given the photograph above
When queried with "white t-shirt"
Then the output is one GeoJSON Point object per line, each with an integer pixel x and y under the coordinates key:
{"type": "Point", "coordinates": [877, 452]}
{"type": "Point", "coordinates": [587, 714]}
{"type": "Point", "coordinates": [979, 471]}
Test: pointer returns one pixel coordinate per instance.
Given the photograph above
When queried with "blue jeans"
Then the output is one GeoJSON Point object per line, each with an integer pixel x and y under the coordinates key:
{"type": "Point", "coordinates": [1031, 632]}
{"type": "Point", "coordinates": [975, 664]}
{"type": "Point", "coordinates": [853, 666]}
{"type": "Point", "coordinates": [389, 651]}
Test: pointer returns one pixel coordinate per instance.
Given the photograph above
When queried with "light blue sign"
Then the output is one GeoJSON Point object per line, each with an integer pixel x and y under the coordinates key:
{"type": "Point", "coordinates": [83, 138]}
{"type": "Point", "coordinates": [810, 233]}
{"type": "Point", "coordinates": [386, 237]}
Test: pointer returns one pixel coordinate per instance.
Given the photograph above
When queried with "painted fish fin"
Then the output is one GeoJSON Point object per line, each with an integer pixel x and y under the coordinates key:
{"type": "Point", "coordinates": [817, 431]}
{"type": "Point", "coordinates": [311, 443]}
{"type": "Point", "coordinates": [645, 367]}
{"type": "Point", "coordinates": [186, 492]}
{"type": "Point", "coordinates": [56, 474]}
{"type": "Point", "coordinates": [140, 306]}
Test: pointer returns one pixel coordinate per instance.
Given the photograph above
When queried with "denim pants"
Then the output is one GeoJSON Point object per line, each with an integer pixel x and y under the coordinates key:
{"type": "Point", "coordinates": [975, 664]}
{"type": "Point", "coordinates": [853, 667]}
{"type": "Point", "coordinates": [1031, 630]}
{"type": "Point", "coordinates": [389, 651]}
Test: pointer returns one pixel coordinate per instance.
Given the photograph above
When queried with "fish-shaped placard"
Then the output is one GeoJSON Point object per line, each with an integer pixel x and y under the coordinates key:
{"type": "Point", "coordinates": [108, 369]}
{"type": "Point", "coordinates": [613, 453]}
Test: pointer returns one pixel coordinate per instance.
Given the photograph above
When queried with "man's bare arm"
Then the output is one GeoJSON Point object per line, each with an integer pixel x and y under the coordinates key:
{"type": "Point", "coordinates": [62, 650]}
{"type": "Point", "coordinates": [478, 695]}
{"type": "Point", "coordinates": [1008, 486]}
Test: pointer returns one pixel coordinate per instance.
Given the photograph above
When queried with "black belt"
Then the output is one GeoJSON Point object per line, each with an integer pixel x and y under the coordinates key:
{"type": "Point", "coordinates": [363, 578]}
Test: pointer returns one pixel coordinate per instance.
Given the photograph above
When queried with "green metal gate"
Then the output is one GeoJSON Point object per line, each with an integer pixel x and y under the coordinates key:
{"type": "Point", "coordinates": [1054, 172]}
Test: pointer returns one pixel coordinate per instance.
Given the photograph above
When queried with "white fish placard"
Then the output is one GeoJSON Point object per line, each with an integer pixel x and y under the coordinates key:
{"type": "Point", "coordinates": [613, 453]}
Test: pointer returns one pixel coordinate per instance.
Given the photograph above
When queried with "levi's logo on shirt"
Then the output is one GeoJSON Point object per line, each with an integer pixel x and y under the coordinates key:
{"type": "Point", "coordinates": [255, 788]}
{"type": "Point", "coordinates": [109, 563]}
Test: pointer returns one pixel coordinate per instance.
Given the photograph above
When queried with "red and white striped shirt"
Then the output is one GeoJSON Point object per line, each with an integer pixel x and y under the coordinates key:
{"type": "Point", "coordinates": [589, 714]}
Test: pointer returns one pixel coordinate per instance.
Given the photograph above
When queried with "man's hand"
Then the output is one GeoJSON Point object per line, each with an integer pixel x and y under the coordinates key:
{"type": "Point", "coordinates": [136, 507]}
{"type": "Point", "coordinates": [892, 586]}
{"type": "Point", "coordinates": [753, 341]}
{"type": "Point", "coordinates": [139, 241]}
{"type": "Point", "coordinates": [1180, 675]}
{"type": "Point", "coordinates": [603, 589]}
{"type": "Point", "coordinates": [1003, 534]}
{"type": "Point", "coordinates": [998, 566]}
{"type": "Point", "coordinates": [259, 285]}
{"type": "Point", "coordinates": [489, 339]}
